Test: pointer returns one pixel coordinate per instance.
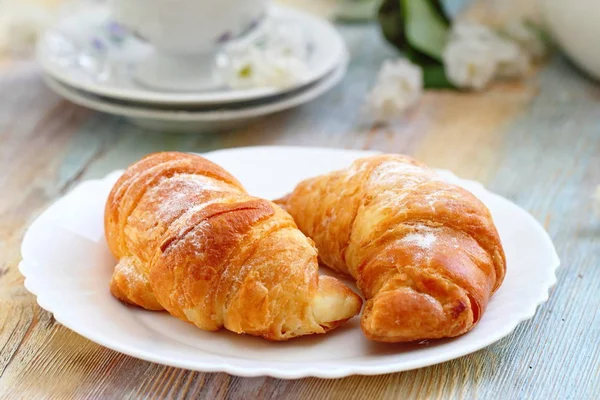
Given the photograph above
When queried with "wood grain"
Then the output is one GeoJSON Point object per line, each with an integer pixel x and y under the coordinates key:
{"type": "Point", "coordinates": [537, 144]}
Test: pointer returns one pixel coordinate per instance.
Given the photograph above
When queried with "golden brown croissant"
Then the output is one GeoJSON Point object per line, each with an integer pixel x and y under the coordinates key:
{"type": "Point", "coordinates": [425, 253]}
{"type": "Point", "coordinates": [191, 241]}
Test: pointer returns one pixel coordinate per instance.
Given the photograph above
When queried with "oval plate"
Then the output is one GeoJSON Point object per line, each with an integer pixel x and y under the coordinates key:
{"type": "Point", "coordinates": [67, 265]}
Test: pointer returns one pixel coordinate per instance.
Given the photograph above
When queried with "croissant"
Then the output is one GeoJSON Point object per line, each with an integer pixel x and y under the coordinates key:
{"type": "Point", "coordinates": [425, 253]}
{"type": "Point", "coordinates": [191, 241]}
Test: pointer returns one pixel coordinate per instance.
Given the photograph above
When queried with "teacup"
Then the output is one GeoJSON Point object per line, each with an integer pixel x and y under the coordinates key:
{"type": "Point", "coordinates": [574, 26]}
{"type": "Point", "coordinates": [186, 36]}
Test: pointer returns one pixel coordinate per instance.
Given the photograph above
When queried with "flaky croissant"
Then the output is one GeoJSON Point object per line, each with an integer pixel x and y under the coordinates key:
{"type": "Point", "coordinates": [191, 241]}
{"type": "Point", "coordinates": [425, 253]}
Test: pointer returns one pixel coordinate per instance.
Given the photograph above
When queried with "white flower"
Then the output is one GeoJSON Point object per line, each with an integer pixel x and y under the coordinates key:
{"type": "Point", "coordinates": [469, 64]}
{"type": "Point", "coordinates": [472, 31]}
{"type": "Point", "coordinates": [475, 55]}
{"type": "Point", "coordinates": [399, 86]}
{"type": "Point", "coordinates": [527, 38]}
{"type": "Point", "coordinates": [21, 23]}
{"type": "Point", "coordinates": [265, 68]}
{"type": "Point", "coordinates": [278, 59]}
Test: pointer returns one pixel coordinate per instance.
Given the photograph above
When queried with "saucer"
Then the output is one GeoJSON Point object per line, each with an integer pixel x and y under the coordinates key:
{"type": "Point", "coordinates": [201, 120]}
{"type": "Point", "coordinates": [89, 52]}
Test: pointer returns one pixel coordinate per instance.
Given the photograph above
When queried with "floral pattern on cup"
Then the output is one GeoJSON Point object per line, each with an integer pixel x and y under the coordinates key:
{"type": "Point", "coordinates": [248, 27]}
{"type": "Point", "coordinates": [110, 34]}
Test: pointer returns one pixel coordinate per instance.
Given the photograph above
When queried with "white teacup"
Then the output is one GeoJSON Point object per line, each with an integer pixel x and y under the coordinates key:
{"type": "Point", "coordinates": [186, 35]}
{"type": "Point", "coordinates": [574, 25]}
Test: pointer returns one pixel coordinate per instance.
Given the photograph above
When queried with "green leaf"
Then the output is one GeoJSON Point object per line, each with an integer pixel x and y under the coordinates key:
{"type": "Point", "coordinates": [394, 20]}
{"type": "Point", "coordinates": [539, 31]}
{"type": "Point", "coordinates": [421, 48]}
{"type": "Point", "coordinates": [419, 58]}
{"type": "Point", "coordinates": [426, 30]}
{"type": "Point", "coordinates": [434, 77]}
{"type": "Point", "coordinates": [391, 22]}
{"type": "Point", "coordinates": [441, 11]}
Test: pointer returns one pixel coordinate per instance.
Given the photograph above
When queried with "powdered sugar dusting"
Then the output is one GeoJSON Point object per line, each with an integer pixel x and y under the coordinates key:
{"type": "Point", "coordinates": [356, 168]}
{"type": "Point", "coordinates": [432, 198]}
{"type": "Point", "coordinates": [183, 192]}
{"type": "Point", "coordinates": [132, 275]}
{"type": "Point", "coordinates": [399, 183]}
{"type": "Point", "coordinates": [399, 174]}
{"type": "Point", "coordinates": [424, 240]}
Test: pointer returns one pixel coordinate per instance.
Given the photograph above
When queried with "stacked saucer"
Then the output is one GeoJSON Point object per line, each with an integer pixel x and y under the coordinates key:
{"type": "Point", "coordinates": [90, 60]}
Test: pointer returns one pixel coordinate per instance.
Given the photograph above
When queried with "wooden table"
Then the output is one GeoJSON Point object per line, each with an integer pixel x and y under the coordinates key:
{"type": "Point", "coordinates": [537, 143]}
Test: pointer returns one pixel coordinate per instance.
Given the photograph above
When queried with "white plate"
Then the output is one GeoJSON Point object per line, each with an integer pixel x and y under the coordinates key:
{"type": "Point", "coordinates": [199, 121]}
{"type": "Point", "coordinates": [69, 53]}
{"type": "Point", "coordinates": [68, 266]}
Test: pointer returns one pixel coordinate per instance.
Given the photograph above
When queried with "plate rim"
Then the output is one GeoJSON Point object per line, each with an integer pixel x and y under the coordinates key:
{"type": "Point", "coordinates": [306, 95]}
{"type": "Point", "coordinates": [149, 96]}
{"type": "Point", "coordinates": [329, 372]}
